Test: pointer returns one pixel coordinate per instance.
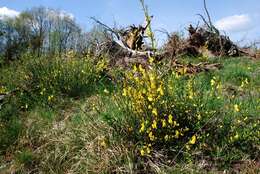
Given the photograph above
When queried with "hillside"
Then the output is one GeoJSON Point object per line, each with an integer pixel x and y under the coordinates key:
{"type": "Point", "coordinates": [110, 101]}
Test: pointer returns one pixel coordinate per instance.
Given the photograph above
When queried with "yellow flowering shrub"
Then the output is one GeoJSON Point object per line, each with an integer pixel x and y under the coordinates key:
{"type": "Point", "coordinates": [157, 123]}
{"type": "Point", "coordinates": [70, 76]}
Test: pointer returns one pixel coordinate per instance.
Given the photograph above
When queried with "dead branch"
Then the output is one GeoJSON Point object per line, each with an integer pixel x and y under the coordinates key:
{"type": "Point", "coordinates": [208, 15]}
{"type": "Point", "coordinates": [195, 68]}
{"type": "Point", "coordinates": [120, 39]}
{"type": "Point", "coordinates": [204, 20]}
{"type": "Point", "coordinates": [209, 23]}
{"type": "Point", "coordinates": [106, 27]}
{"type": "Point", "coordinates": [164, 31]}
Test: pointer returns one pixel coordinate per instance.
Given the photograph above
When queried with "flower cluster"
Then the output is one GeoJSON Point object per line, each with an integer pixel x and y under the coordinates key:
{"type": "Point", "coordinates": [3, 89]}
{"type": "Point", "coordinates": [70, 77]}
{"type": "Point", "coordinates": [157, 123]}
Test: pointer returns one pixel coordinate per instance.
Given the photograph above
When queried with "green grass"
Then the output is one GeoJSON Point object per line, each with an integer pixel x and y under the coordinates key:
{"type": "Point", "coordinates": [81, 129]}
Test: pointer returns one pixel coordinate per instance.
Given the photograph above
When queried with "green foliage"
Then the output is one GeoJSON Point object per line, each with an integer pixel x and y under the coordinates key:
{"type": "Point", "coordinates": [183, 115]}
{"type": "Point", "coordinates": [213, 116]}
{"type": "Point", "coordinates": [45, 82]}
{"type": "Point", "coordinates": [70, 77]}
{"type": "Point", "coordinates": [25, 157]}
{"type": "Point", "coordinates": [10, 124]}
{"type": "Point", "coordinates": [63, 113]}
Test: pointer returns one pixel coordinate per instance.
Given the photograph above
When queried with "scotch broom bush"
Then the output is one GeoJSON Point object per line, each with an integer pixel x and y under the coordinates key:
{"type": "Point", "coordinates": [158, 119]}
{"type": "Point", "coordinates": [180, 115]}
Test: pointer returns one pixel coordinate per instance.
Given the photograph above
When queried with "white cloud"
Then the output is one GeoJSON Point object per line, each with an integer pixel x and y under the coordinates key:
{"type": "Point", "coordinates": [67, 14]}
{"type": "Point", "coordinates": [6, 12]}
{"type": "Point", "coordinates": [235, 23]}
{"type": "Point", "coordinates": [62, 14]}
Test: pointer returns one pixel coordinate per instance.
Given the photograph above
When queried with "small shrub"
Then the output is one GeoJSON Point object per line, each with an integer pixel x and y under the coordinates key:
{"type": "Point", "coordinates": [159, 115]}
{"type": "Point", "coordinates": [48, 80]}
{"type": "Point", "coordinates": [68, 77]}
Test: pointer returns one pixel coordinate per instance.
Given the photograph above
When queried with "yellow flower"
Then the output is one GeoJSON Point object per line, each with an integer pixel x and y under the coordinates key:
{"type": "Point", "coordinates": [163, 123]}
{"type": "Point", "coordinates": [193, 140]}
{"type": "Point", "coordinates": [135, 68]}
{"type": "Point", "coordinates": [212, 82]}
{"type": "Point", "coordinates": [142, 127]}
{"type": "Point", "coordinates": [136, 79]}
{"type": "Point", "coordinates": [166, 137]}
{"type": "Point", "coordinates": [175, 123]}
{"type": "Point", "coordinates": [124, 92]}
{"type": "Point", "coordinates": [218, 86]}
{"type": "Point", "coordinates": [129, 89]}
{"type": "Point", "coordinates": [199, 116]}
{"type": "Point", "coordinates": [170, 119]}
{"type": "Point", "coordinates": [148, 150]}
{"type": "Point", "coordinates": [142, 152]}
{"type": "Point", "coordinates": [50, 97]}
{"type": "Point", "coordinates": [2, 90]}
{"type": "Point", "coordinates": [151, 59]}
{"type": "Point", "coordinates": [130, 129]}
{"type": "Point", "coordinates": [160, 90]}
{"type": "Point", "coordinates": [153, 85]}
{"type": "Point", "coordinates": [154, 111]}
{"type": "Point", "coordinates": [236, 136]}
{"type": "Point", "coordinates": [177, 134]}
{"type": "Point", "coordinates": [141, 69]}
{"type": "Point", "coordinates": [154, 125]}
{"type": "Point", "coordinates": [150, 98]}
{"type": "Point", "coordinates": [246, 81]}
{"type": "Point", "coordinates": [151, 136]}
{"type": "Point", "coordinates": [236, 108]}
{"type": "Point", "coordinates": [191, 95]}
{"type": "Point", "coordinates": [152, 77]}
{"type": "Point", "coordinates": [187, 147]}
{"type": "Point", "coordinates": [103, 144]}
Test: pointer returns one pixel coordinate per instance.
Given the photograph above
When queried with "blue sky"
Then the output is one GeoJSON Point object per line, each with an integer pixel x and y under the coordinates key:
{"type": "Point", "coordinates": [239, 18]}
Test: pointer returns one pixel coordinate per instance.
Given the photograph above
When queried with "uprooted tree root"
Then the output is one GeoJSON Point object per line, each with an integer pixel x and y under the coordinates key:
{"type": "Point", "coordinates": [201, 42]}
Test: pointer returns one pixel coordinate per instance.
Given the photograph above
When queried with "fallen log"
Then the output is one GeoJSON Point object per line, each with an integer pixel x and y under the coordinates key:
{"type": "Point", "coordinates": [195, 68]}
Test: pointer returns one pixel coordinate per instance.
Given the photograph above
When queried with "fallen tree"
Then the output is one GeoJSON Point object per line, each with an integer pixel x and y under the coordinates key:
{"type": "Point", "coordinates": [205, 40]}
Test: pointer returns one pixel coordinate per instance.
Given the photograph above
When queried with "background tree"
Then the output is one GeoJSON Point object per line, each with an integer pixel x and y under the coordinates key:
{"type": "Point", "coordinates": [40, 31]}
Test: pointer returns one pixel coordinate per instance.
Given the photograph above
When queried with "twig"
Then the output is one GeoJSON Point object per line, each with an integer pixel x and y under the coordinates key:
{"type": "Point", "coordinates": [207, 12]}
{"type": "Point", "coordinates": [204, 20]}
{"type": "Point", "coordinates": [209, 23]}
{"type": "Point", "coordinates": [106, 27]}
{"type": "Point", "coordinates": [164, 31]}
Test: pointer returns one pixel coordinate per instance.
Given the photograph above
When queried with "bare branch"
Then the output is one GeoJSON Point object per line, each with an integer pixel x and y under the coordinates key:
{"type": "Point", "coordinates": [119, 40]}
{"type": "Point", "coordinates": [207, 12]}
{"type": "Point", "coordinates": [209, 23]}
{"type": "Point", "coordinates": [106, 27]}
{"type": "Point", "coordinates": [164, 31]}
{"type": "Point", "coordinates": [204, 20]}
